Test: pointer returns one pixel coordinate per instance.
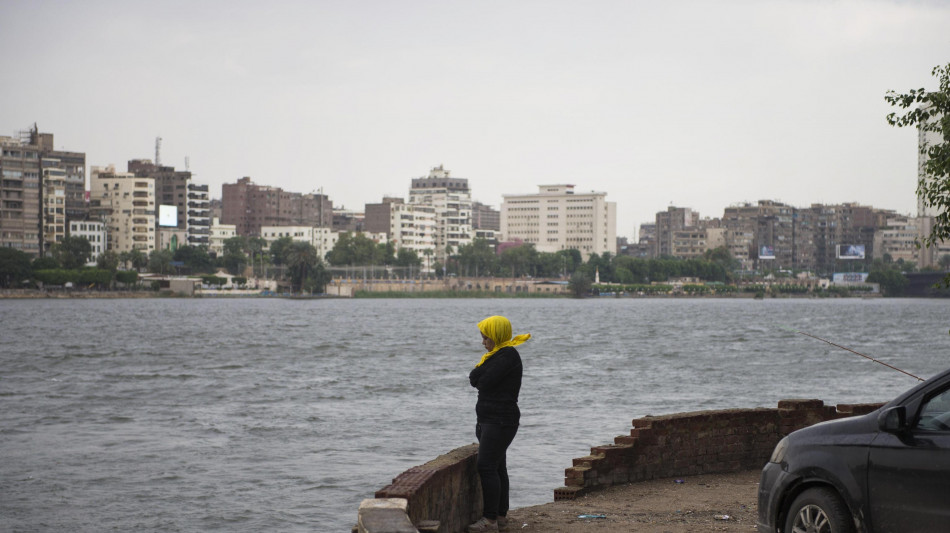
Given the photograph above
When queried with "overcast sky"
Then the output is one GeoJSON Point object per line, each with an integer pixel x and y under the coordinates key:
{"type": "Point", "coordinates": [696, 104]}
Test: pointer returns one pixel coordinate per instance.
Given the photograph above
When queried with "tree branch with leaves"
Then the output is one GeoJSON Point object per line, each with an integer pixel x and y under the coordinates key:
{"type": "Point", "coordinates": [930, 113]}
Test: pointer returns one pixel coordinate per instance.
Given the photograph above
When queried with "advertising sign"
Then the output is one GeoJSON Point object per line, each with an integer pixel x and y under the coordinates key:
{"type": "Point", "coordinates": [766, 252]}
{"type": "Point", "coordinates": [168, 216]}
{"type": "Point", "coordinates": [849, 277]}
{"type": "Point", "coordinates": [850, 251]}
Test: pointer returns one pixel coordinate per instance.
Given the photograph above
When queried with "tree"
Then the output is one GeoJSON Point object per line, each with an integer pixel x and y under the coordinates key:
{"type": "Point", "coordinates": [579, 284]}
{"type": "Point", "coordinates": [14, 267]}
{"type": "Point", "coordinates": [108, 260]}
{"type": "Point", "coordinates": [892, 280]}
{"type": "Point", "coordinates": [407, 257]}
{"type": "Point", "coordinates": [278, 250]}
{"type": "Point", "coordinates": [195, 258]}
{"type": "Point", "coordinates": [519, 261]}
{"type": "Point", "coordinates": [134, 257]}
{"type": "Point", "coordinates": [160, 261]}
{"type": "Point", "coordinates": [45, 263]}
{"type": "Point", "coordinates": [355, 250]}
{"type": "Point", "coordinates": [72, 252]}
{"type": "Point", "coordinates": [255, 247]}
{"type": "Point", "coordinates": [233, 258]}
{"type": "Point", "coordinates": [930, 114]}
{"type": "Point", "coordinates": [127, 277]}
{"type": "Point", "coordinates": [305, 268]}
{"type": "Point", "coordinates": [477, 258]}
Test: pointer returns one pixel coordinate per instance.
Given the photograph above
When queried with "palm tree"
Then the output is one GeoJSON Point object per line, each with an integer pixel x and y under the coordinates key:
{"type": "Point", "coordinates": [301, 258]}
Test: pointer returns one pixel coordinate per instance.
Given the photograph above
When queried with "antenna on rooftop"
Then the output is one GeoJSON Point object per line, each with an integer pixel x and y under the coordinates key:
{"type": "Point", "coordinates": [158, 151]}
{"type": "Point", "coordinates": [187, 163]}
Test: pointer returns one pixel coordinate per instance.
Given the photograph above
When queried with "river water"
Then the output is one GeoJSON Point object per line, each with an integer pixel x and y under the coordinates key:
{"type": "Point", "coordinates": [281, 415]}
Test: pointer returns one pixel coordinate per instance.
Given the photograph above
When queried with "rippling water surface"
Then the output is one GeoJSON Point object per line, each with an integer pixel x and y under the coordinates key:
{"type": "Point", "coordinates": [281, 415]}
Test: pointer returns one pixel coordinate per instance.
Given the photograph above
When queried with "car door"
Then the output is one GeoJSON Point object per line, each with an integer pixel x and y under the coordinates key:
{"type": "Point", "coordinates": [909, 472]}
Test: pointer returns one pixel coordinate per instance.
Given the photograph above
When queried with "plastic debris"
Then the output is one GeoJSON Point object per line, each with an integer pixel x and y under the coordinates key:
{"type": "Point", "coordinates": [586, 516]}
{"type": "Point", "coordinates": [722, 517]}
{"type": "Point", "coordinates": [680, 481]}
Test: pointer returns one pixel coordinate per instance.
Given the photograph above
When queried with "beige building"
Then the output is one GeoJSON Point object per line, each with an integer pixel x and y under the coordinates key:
{"type": "Point", "coordinates": [126, 204]}
{"type": "Point", "coordinates": [558, 218]}
{"type": "Point", "coordinates": [218, 234]}
{"type": "Point", "coordinates": [897, 238]}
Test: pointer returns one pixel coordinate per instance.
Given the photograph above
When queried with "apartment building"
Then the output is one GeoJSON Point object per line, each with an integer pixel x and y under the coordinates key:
{"type": "Point", "coordinates": [485, 217]}
{"type": "Point", "coordinates": [841, 225]}
{"type": "Point", "coordinates": [93, 231]}
{"type": "Point", "coordinates": [559, 218]}
{"type": "Point", "coordinates": [408, 226]}
{"type": "Point", "coordinates": [22, 206]}
{"type": "Point", "coordinates": [668, 223]}
{"type": "Point", "coordinates": [250, 206]}
{"type": "Point", "coordinates": [191, 200]}
{"type": "Point", "coordinates": [451, 201]}
{"type": "Point", "coordinates": [126, 205]}
{"type": "Point", "coordinates": [322, 239]}
{"type": "Point", "coordinates": [53, 202]}
{"type": "Point", "coordinates": [898, 238]}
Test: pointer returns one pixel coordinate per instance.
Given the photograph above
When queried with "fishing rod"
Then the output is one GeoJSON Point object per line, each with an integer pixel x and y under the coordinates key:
{"type": "Point", "coordinates": [861, 354]}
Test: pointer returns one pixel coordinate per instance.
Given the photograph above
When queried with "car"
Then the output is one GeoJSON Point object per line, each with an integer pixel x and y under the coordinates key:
{"type": "Point", "coordinates": [886, 471]}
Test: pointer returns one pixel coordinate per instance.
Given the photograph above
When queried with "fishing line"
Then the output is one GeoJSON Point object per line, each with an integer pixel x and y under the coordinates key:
{"type": "Point", "coordinates": [858, 353]}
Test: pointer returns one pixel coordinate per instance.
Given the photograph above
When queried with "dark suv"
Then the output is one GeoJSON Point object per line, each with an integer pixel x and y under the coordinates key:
{"type": "Point", "coordinates": [887, 471]}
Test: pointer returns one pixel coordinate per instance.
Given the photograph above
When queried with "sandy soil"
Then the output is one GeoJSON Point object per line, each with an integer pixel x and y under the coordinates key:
{"type": "Point", "coordinates": [724, 502]}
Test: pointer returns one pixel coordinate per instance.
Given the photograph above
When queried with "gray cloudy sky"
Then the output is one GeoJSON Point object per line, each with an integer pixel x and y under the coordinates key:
{"type": "Point", "coordinates": [698, 104]}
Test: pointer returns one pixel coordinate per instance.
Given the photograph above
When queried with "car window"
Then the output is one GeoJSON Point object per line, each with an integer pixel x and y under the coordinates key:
{"type": "Point", "coordinates": [935, 413]}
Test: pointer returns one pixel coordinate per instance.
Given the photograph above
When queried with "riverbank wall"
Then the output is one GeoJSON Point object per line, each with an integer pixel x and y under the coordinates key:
{"type": "Point", "coordinates": [444, 495]}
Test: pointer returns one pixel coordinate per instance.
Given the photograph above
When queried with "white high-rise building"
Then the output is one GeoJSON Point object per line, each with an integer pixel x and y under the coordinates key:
{"type": "Point", "coordinates": [558, 218]}
{"type": "Point", "coordinates": [451, 201]}
{"type": "Point", "coordinates": [126, 204]}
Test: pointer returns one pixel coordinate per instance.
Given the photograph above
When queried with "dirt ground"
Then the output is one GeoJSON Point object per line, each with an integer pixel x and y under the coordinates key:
{"type": "Point", "coordinates": [723, 502]}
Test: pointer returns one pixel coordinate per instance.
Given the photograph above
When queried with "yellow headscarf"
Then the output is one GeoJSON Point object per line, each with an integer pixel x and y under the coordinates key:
{"type": "Point", "coordinates": [498, 329]}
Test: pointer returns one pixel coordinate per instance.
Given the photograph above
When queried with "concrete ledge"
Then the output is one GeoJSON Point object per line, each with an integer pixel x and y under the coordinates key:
{"type": "Point", "coordinates": [384, 516]}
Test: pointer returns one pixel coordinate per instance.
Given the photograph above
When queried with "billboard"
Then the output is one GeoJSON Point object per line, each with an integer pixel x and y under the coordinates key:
{"type": "Point", "coordinates": [766, 252]}
{"type": "Point", "coordinates": [850, 251]}
{"type": "Point", "coordinates": [849, 277]}
{"type": "Point", "coordinates": [168, 216]}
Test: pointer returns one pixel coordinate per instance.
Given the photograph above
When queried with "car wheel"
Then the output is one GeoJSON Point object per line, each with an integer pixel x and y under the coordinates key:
{"type": "Point", "coordinates": [818, 510]}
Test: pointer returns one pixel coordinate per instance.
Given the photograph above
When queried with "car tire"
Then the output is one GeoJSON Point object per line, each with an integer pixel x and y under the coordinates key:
{"type": "Point", "coordinates": [818, 510]}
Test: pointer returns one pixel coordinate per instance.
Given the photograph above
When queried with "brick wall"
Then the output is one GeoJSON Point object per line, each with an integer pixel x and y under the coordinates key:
{"type": "Point", "coordinates": [445, 490]}
{"type": "Point", "coordinates": [704, 442]}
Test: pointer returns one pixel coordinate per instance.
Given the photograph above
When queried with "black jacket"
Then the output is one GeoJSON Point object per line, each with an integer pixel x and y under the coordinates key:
{"type": "Point", "coordinates": [498, 381]}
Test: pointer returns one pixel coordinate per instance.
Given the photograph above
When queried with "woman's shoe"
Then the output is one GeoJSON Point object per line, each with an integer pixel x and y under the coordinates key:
{"type": "Point", "coordinates": [502, 523]}
{"type": "Point", "coordinates": [482, 526]}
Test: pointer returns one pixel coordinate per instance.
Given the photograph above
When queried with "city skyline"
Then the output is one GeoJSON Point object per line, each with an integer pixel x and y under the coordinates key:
{"type": "Point", "coordinates": [685, 104]}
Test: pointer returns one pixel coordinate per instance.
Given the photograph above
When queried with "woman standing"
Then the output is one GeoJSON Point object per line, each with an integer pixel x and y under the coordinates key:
{"type": "Point", "coordinates": [498, 380]}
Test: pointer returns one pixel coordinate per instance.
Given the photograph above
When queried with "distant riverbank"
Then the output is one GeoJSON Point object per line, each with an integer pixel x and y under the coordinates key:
{"type": "Point", "coordinates": [20, 294]}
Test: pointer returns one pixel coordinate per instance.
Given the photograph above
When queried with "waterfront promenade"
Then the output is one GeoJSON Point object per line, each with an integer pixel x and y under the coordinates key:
{"type": "Point", "coordinates": [715, 502]}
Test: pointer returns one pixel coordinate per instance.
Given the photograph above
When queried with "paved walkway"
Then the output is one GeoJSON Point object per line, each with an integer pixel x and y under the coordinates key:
{"type": "Point", "coordinates": [721, 502]}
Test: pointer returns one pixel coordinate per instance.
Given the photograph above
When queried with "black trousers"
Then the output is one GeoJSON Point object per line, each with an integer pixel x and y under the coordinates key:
{"type": "Point", "coordinates": [493, 442]}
